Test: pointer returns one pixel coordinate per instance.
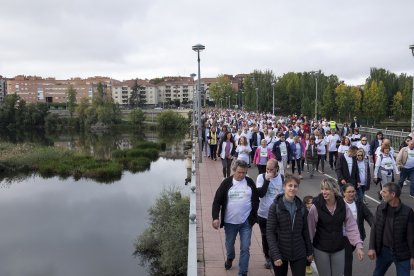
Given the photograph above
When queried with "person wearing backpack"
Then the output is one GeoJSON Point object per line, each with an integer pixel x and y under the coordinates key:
{"type": "Point", "coordinates": [385, 167]}
{"type": "Point", "coordinates": [287, 231]}
{"type": "Point", "coordinates": [269, 185]}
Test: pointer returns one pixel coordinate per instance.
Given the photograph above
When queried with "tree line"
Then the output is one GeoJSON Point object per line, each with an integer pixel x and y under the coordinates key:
{"type": "Point", "coordinates": [384, 95]}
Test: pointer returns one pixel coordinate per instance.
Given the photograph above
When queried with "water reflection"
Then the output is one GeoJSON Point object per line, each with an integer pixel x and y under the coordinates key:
{"type": "Point", "coordinates": [66, 228]}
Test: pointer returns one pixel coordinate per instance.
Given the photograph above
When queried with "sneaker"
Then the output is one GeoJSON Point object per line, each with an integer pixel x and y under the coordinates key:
{"type": "Point", "coordinates": [412, 196]}
{"type": "Point", "coordinates": [268, 264]}
{"type": "Point", "coordinates": [228, 264]}
{"type": "Point", "coordinates": [300, 177]}
{"type": "Point", "coordinates": [406, 182]}
{"type": "Point", "coordinates": [308, 269]}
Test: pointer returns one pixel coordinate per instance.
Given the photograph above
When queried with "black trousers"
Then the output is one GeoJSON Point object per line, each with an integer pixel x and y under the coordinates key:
{"type": "Point", "coordinates": [349, 251]}
{"type": "Point", "coordinates": [262, 224]}
{"type": "Point", "coordinates": [298, 267]}
{"type": "Point", "coordinates": [298, 162]}
{"type": "Point", "coordinates": [333, 155]}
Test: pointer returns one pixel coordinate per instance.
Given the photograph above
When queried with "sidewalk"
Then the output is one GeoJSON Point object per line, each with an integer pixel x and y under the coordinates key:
{"type": "Point", "coordinates": [211, 252]}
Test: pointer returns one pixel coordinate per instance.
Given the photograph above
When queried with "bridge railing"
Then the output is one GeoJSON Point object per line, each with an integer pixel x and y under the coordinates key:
{"type": "Point", "coordinates": [192, 222]}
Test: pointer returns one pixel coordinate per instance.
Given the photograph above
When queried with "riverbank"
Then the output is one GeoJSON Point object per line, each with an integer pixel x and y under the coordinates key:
{"type": "Point", "coordinates": [48, 161]}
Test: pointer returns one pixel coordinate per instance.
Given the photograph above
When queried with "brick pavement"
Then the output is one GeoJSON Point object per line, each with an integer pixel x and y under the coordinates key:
{"type": "Point", "coordinates": [211, 252]}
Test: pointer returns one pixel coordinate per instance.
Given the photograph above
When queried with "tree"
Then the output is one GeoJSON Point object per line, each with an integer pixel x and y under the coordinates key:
{"type": "Point", "coordinates": [220, 90]}
{"type": "Point", "coordinates": [135, 98]}
{"type": "Point", "coordinates": [137, 117]}
{"type": "Point", "coordinates": [155, 247]}
{"type": "Point", "coordinates": [343, 100]}
{"type": "Point", "coordinates": [375, 101]}
{"type": "Point", "coordinates": [397, 106]}
{"type": "Point", "coordinates": [71, 102]}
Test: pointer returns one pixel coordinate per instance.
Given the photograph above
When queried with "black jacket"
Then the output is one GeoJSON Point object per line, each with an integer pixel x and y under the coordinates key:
{"type": "Point", "coordinates": [287, 241]}
{"type": "Point", "coordinates": [363, 213]}
{"type": "Point", "coordinates": [342, 171]}
{"type": "Point", "coordinates": [220, 200]}
{"type": "Point", "coordinates": [403, 231]}
{"type": "Point", "coordinates": [254, 142]}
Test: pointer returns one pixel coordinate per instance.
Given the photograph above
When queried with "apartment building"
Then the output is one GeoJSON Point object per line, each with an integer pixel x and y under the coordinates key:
{"type": "Point", "coordinates": [172, 89]}
{"type": "Point", "coordinates": [34, 89]}
{"type": "Point", "coordinates": [122, 92]}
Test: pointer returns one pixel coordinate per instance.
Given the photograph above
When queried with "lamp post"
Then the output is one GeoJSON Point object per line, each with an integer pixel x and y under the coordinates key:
{"type": "Point", "coordinates": [198, 48]}
{"type": "Point", "coordinates": [257, 100]}
{"type": "Point", "coordinates": [412, 96]}
{"type": "Point", "coordinates": [194, 106]}
{"type": "Point", "coordinates": [273, 90]}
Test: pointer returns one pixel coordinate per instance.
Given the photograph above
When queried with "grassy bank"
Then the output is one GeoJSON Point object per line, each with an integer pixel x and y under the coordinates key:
{"type": "Point", "coordinates": [50, 161]}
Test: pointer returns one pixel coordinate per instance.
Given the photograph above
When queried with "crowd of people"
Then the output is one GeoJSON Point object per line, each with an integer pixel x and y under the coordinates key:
{"type": "Point", "coordinates": [326, 228]}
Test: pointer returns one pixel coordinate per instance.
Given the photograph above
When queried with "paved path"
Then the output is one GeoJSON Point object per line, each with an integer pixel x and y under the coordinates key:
{"type": "Point", "coordinates": [210, 243]}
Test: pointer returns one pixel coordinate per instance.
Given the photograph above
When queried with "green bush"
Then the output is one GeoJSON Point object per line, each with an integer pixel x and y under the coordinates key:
{"type": "Point", "coordinates": [164, 245]}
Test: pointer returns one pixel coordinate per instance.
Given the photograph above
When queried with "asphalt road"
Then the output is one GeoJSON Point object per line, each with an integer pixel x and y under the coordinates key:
{"type": "Point", "coordinates": [310, 186]}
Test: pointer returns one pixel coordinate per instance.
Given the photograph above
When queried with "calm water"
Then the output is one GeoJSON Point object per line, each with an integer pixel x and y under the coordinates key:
{"type": "Point", "coordinates": [79, 228]}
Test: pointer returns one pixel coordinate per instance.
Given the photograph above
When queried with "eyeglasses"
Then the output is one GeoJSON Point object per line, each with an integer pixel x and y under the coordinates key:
{"type": "Point", "coordinates": [360, 155]}
{"type": "Point", "coordinates": [363, 140]}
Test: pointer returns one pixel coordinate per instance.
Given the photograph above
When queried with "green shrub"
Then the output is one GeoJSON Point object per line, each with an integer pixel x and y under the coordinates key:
{"type": "Point", "coordinates": [164, 245]}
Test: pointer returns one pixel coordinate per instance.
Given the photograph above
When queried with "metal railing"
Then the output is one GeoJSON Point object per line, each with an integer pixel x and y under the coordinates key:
{"type": "Point", "coordinates": [192, 223]}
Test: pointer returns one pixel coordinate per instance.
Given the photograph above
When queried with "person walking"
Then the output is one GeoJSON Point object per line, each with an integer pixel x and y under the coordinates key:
{"type": "Point", "coordinates": [212, 139]}
{"type": "Point", "coordinates": [364, 175]}
{"type": "Point", "coordinates": [391, 239]}
{"type": "Point", "coordinates": [385, 167]}
{"type": "Point", "coordinates": [261, 156]}
{"type": "Point", "coordinates": [328, 219]}
{"type": "Point", "coordinates": [311, 156]}
{"type": "Point", "coordinates": [321, 145]}
{"type": "Point", "coordinates": [235, 207]}
{"type": "Point", "coordinates": [243, 150]}
{"type": "Point", "coordinates": [269, 185]}
{"type": "Point", "coordinates": [333, 143]}
{"type": "Point", "coordinates": [281, 151]}
{"type": "Point", "coordinates": [360, 212]}
{"type": "Point", "coordinates": [347, 168]}
{"type": "Point", "coordinates": [287, 231]}
{"type": "Point", "coordinates": [296, 156]}
{"type": "Point", "coordinates": [405, 162]}
{"type": "Point", "coordinates": [226, 151]}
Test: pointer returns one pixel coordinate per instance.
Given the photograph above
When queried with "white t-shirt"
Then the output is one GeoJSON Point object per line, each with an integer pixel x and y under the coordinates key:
{"type": "Point", "coordinates": [354, 211]}
{"type": "Point", "coordinates": [366, 148]}
{"type": "Point", "coordinates": [283, 149]}
{"type": "Point", "coordinates": [332, 142]}
{"type": "Point", "coordinates": [349, 161]}
{"type": "Point", "coordinates": [343, 149]}
{"type": "Point", "coordinates": [362, 172]}
{"type": "Point", "coordinates": [321, 146]}
{"type": "Point", "coordinates": [239, 203]}
{"type": "Point", "coordinates": [243, 153]}
{"type": "Point", "coordinates": [410, 160]}
{"type": "Point", "coordinates": [275, 188]}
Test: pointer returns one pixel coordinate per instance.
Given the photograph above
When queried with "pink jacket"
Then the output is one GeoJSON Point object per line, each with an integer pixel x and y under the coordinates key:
{"type": "Point", "coordinates": [256, 158]}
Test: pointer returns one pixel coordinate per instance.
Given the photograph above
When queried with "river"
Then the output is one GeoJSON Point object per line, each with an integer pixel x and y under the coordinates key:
{"type": "Point", "coordinates": [84, 228]}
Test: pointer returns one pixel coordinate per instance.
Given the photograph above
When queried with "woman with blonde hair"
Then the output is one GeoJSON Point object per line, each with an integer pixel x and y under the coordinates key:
{"type": "Point", "coordinates": [329, 218]}
{"type": "Point", "coordinates": [364, 174]}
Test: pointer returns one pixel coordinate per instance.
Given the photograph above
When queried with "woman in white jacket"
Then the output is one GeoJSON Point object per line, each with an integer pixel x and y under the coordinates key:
{"type": "Point", "coordinates": [385, 167]}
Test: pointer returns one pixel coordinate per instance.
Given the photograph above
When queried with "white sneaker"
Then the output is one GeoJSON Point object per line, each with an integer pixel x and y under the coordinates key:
{"type": "Point", "coordinates": [406, 182]}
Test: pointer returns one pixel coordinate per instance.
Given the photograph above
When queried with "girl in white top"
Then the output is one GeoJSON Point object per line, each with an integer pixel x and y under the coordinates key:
{"type": "Point", "coordinates": [345, 144]}
{"type": "Point", "coordinates": [243, 150]}
{"type": "Point", "coordinates": [270, 139]}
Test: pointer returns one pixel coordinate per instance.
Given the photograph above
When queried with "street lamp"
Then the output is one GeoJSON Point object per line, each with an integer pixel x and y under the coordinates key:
{"type": "Point", "coordinates": [412, 97]}
{"type": "Point", "coordinates": [242, 99]}
{"type": "Point", "coordinates": [257, 100]}
{"type": "Point", "coordinates": [194, 106]}
{"type": "Point", "coordinates": [198, 48]}
{"type": "Point", "coordinates": [273, 89]}
{"type": "Point", "coordinates": [316, 100]}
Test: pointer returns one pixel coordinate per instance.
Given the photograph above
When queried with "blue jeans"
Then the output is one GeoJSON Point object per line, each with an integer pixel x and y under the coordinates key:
{"type": "Point", "coordinates": [245, 231]}
{"type": "Point", "coordinates": [385, 259]}
{"type": "Point", "coordinates": [403, 176]}
{"type": "Point", "coordinates": [360, 193]}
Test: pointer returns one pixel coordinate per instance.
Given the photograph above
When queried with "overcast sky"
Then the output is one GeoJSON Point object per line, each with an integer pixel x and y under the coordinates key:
{"type": "Point", "coordinates": [127, 39]}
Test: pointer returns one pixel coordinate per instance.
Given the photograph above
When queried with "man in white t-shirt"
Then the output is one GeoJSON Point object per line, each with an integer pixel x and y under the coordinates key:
{"type": "Point", "coordinates": [235, 207]}
{"type": "Point", "coordinates": [269, 185]}
{"type": "Point", "coordinates": [333, 140]}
